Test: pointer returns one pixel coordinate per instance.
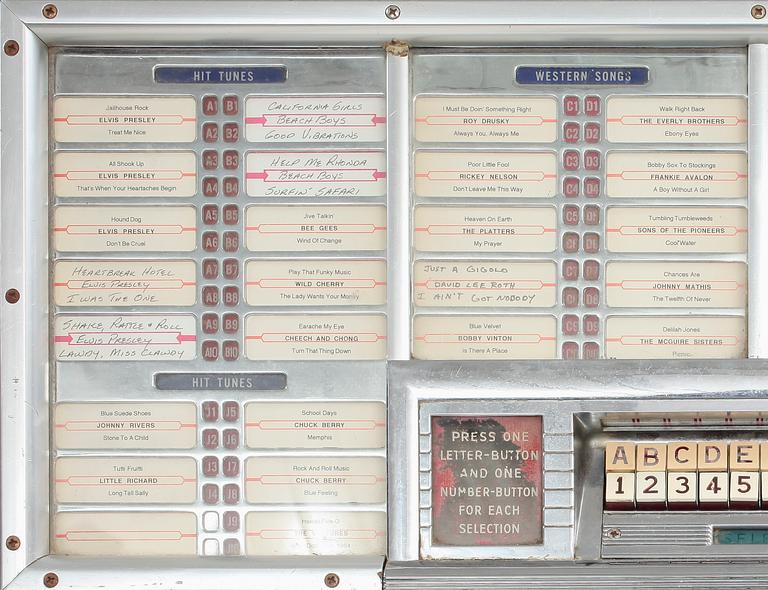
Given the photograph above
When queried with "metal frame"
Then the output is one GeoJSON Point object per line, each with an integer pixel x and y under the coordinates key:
{"type": "Point", "coordinates": [24, 433]}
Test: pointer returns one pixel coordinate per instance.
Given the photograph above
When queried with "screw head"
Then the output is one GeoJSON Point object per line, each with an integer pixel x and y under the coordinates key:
{"type": "Point", "coordinates": [50, 580]}
{"type": "Point", "coordinates": [392, 11]}
{"type": "Point", "coordinates": [12, 296]}
{"type": "Point", "coordinates": [332, 580]}
{"type": "Point", "coordinates": [614, 533]}
{"type": "Point", "coordinates": [11, 47]}
{"type": "Point", "coordinates": [758, 11]}
{"type": "Point", "coordinates": [50, 11]}
{"type": "Point", "coordinates": [13, 542]}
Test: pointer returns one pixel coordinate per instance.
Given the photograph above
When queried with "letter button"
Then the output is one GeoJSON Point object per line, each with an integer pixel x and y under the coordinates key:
{"type": "Point", "coordinates": [620, 456]}
{"type": "Point", "coordinates": [682, 456]}
{"type": "Point", "coordinates": [713, 456]}
{"type": "Point", "coordinates": [744, 455]}
{"type": "Point", "coordinates": [651, 457]}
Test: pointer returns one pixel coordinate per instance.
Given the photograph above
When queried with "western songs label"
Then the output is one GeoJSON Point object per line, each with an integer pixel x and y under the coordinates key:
{"type": "Point", "coordinates": [487, 480]}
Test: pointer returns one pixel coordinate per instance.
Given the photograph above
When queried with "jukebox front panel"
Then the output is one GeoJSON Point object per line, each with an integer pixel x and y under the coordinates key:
{"type": "Point", "coordinates": [291, 294]}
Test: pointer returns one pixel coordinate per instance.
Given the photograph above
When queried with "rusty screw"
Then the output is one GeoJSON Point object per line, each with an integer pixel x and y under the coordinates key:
{"type": "Point", "coordinates": [758, 11]}
{"type": "Point", "coordinates": [331, 580]}
{"type": "Point", "coordinates": [50, 11]}
{"type": "Point", "coordinates": [12, 296]}
{"type": "Point", "coordinates": [11, 47]}
{"type": "Point", "coordinates": [392, 11]}
{"type": "Point", "coordinates": [614, 533]}
{"type": "Point", "coordinates": [50, 580]}
{"type": "Point", "coordinates": [13, 542]}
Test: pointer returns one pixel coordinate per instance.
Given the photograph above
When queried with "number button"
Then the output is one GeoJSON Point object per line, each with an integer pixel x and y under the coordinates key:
{"type": "Point", "coordinates": [681, 490]}
{"type": "Point", "coordinates": [651, 490]}
{"type": "Point", "coordinates": [713, 490]}
{"type": "Point", "coordinates": [745, 490]}
{"type": "Point", "coordinates": [619, 491]}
